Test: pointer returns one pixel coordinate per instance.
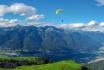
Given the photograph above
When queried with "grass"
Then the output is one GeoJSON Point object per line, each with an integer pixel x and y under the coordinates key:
{"type": "Point", "coordinates": [61, 65]}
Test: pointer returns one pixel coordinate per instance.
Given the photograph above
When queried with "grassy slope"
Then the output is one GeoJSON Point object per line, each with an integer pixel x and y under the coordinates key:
{"type": "Point", "coordinates": [62, 65]}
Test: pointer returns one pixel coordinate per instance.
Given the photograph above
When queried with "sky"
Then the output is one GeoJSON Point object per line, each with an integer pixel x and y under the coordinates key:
{"type": "Point", "coordinates": [44, 11]}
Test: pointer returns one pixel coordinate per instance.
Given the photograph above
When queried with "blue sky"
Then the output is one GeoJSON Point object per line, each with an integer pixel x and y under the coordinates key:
{"type": "Point", "coordinates": [76, 11]}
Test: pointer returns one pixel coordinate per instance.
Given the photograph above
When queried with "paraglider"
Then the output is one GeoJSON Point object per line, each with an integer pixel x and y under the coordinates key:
{"type": "Point", "coordinates": [60, 11]}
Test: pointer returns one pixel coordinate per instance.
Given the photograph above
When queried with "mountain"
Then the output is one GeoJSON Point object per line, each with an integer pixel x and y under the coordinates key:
{"type": "Point", "coordinates": [50, 42]}
{"type": "Point", "coordinates": [97, 64]}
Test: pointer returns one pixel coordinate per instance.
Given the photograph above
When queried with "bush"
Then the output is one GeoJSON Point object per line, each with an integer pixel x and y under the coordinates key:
{"type": "Point", "coordinates": [20, 61]}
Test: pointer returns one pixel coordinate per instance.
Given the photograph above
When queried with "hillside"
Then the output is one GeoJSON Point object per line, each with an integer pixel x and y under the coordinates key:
{"type": "Point", "coordinates": [36, 63]}
{"type": "Point", "coordinates": [50, 42]}
{"type": "Point", "coordinates": [48, 38]}
{"type": "Point", "coordinates": [61, 65]}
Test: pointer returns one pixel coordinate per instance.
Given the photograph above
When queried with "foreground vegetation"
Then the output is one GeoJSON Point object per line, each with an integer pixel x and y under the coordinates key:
{"type": "Point", "coordinates": [63, 65]}
{"type": "Point", "coordinates": [34, 63]}
{"type": "Point", "coordinates": [20, 61]}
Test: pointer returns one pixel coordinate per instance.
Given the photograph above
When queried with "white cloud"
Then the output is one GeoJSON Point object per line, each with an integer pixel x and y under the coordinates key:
{"type": "Point", "coordinates": [14, 21]}
{"type": "Point", "coordinates": [101, 24]}
{"type": "Point", "coordinates": [3, 10]}
{"type": "Point", "coordinates": [21, 9]}
{"type": "Point", "coordinates": [92, 23]}
{"type": "Point", "coordinates": [74, 25]}
{"type": "Point", "coordinates": [100, 2]}
{"type": "Point", "coordinates": [91, 26]}
{"type": "Point", "coordinates": [7, 22]}
{"type": "Point", "coordinates": [36, 17]}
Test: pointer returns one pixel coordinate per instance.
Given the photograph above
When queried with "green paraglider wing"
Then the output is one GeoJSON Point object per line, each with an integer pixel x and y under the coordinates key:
{"type": "Point", "coordinates": [59, 11]}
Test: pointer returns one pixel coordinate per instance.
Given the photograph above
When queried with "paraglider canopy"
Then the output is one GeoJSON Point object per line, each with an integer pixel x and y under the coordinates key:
{"type": "Point", "coordinates": [59, 11]}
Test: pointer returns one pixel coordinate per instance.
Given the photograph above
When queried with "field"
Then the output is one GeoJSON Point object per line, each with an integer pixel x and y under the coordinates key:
{"type": "Point", "coordinates": [61, 65]}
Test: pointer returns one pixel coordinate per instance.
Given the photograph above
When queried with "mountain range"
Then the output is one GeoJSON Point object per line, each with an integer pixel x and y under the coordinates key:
{"type": "Point", "coordinates": [51, 42]}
